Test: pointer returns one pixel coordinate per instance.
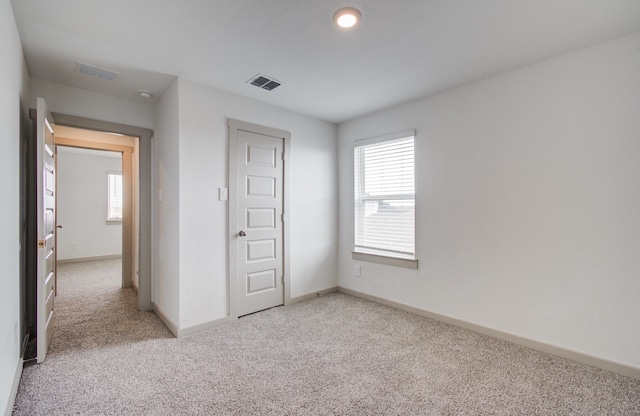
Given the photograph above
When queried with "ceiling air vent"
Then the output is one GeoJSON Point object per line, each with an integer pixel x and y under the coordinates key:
{"type": "Point", "coordinates": [264, 82]}
{"type": "Point", "coordinates": [94, 71]}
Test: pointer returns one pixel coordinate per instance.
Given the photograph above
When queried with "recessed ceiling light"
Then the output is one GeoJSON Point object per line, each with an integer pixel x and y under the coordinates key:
{"type": "Point", "coordinates": [145, 93]}
{"type": "Point", "coordinates": [347, 17]}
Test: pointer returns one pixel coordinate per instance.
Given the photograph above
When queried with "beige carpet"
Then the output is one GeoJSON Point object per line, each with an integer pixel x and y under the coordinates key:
{"type": "Point", "coordinates": [335, 355]}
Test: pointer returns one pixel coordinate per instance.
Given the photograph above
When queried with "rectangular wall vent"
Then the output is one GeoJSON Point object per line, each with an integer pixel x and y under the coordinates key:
{"type": "Point", "coordinates": [95, 71]}
{"type": "Point", "coordinates": [264, 82]}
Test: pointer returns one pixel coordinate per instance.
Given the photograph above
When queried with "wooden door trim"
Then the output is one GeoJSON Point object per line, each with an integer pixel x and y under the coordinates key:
{"type": "Point", "coordinates": [232, 283]}
{"type": "Point", "coordinates": [86, 144]}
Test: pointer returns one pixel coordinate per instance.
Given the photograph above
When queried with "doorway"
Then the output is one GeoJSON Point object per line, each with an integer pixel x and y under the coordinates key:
{"type": "Point", "coordinates": [89, 210]}
{"type": "Point", "coordinates": [143, 229]}
{"type": "Point", "coordinates": [101, 173]}
{"type": "Point", "coordinates": [35, 267]}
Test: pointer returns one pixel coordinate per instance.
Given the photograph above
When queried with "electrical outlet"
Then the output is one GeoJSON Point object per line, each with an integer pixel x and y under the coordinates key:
{"type": "Point", "coordinates": [358, 270]}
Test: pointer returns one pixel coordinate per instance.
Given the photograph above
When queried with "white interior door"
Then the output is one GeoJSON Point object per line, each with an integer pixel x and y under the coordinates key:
{"type": "Point", "coordinates": [46, 220]}
{"type": "Point", "coordinates": [259, 220]}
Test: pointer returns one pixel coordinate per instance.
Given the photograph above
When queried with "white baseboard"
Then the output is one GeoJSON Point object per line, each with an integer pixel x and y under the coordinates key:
{"type": "Point", "coordinates": [312, 295]}
{"type": "Point", "coordinates": [183, 332]}
{"type": "Point", "coordinates": [602, 363]}
{"type": "Point", "coordinates": [164, 318]}
{"type": "Point", "coordinates": [79, 259]}
{"type": "Point", "coordinates": [14, 388]}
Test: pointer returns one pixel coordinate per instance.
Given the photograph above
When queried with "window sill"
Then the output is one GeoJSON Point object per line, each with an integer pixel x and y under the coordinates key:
{"type": "Point", "coordinates": [391, 261]}
{"type": "Point", "coordinates": [113, 222]}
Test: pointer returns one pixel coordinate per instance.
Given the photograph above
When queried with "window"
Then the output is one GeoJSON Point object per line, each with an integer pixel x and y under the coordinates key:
{"type": "Point", "coordinates": [114, 196]}
{"type": "Point", "coordinates": [385, 199]}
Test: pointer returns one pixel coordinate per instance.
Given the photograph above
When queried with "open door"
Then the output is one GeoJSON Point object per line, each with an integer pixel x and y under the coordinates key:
{"type": "Point", "coordinates": [46, 228]}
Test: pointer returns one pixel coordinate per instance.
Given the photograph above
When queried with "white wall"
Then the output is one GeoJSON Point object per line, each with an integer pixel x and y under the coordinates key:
{"type": "Point", "coordinates": [13, 116]}
{"type": "Point", "coordinates": [167, 233]}
{"type": "Point", "coordinates": [82, 204]}
{"type": "Point", "coordinates": [79, 102]}
{"type": "Point", "coordinates": [528, 203]}
{"type": "Point", "coordinates": [203, 219]}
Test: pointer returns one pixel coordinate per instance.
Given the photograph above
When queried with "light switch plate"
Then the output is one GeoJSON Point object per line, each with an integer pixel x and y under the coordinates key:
{"type": "Point", "coordinates": [223, 194]}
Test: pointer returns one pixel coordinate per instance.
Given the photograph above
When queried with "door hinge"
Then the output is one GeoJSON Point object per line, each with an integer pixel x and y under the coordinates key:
{"type": "Point", "coordinates": [282, 154]}
{"type": "Point", "coordinates": [281, 217]}
{"type": "Point", "coordinates": [283, 279]}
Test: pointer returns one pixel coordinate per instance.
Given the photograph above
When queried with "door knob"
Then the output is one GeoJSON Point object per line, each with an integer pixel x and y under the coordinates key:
{"type": "Point", "coordinates": [59, 226]}
{"type": "Point", "coordinates": [242, 233]}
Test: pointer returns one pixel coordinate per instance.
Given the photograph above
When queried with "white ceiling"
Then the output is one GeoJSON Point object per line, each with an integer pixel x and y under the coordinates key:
{"type": "Point", "coordinates": [403, 50]}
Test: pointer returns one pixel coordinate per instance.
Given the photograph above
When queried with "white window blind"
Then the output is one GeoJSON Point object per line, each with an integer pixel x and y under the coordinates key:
{"type": "Point", "coordinates": [114, 198]}
{"type": "Point", "coordinates": [385, 197]}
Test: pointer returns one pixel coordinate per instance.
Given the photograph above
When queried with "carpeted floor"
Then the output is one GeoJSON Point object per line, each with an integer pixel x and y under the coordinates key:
{"type": "Point", "coordinates": [334, 355]}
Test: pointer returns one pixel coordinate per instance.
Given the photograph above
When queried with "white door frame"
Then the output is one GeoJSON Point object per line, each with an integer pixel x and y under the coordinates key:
{"type": "Point", "coordinates": [232, 224]}
{"type": "Point", "coordinates": [145, 273]}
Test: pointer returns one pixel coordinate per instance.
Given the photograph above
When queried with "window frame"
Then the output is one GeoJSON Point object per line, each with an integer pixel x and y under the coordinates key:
{"type": "Point", "coordinates": [112, 219]}
{"type": "Point", "coordinates": [389, 257]}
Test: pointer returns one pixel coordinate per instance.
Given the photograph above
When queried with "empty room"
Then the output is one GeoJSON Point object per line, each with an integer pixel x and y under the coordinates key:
{"type": "Point", "coordinates": [320, 207]}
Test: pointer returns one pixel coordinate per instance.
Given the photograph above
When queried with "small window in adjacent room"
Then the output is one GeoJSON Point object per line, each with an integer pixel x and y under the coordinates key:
{"type": "Point", "coordinates": [114, 197]}
{"type": "Point", "coordinates": [385, 200]}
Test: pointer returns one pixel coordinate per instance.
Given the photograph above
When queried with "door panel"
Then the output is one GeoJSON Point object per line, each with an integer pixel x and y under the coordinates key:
{"type": "Point", "coordinates": [261, 155]}
{"type": "Point", "coordinates": [46, 229]}
{"type": "Point", "coordinates": [261, 250]}
{"type": "Point", "coordinates": [261, 187]}
{"type": "Point", "coordinates": [261, 218]}
{"type": "Point", "coordinates": [259, 240]}
{"type": "Point", "coordinates": [261, 281]}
